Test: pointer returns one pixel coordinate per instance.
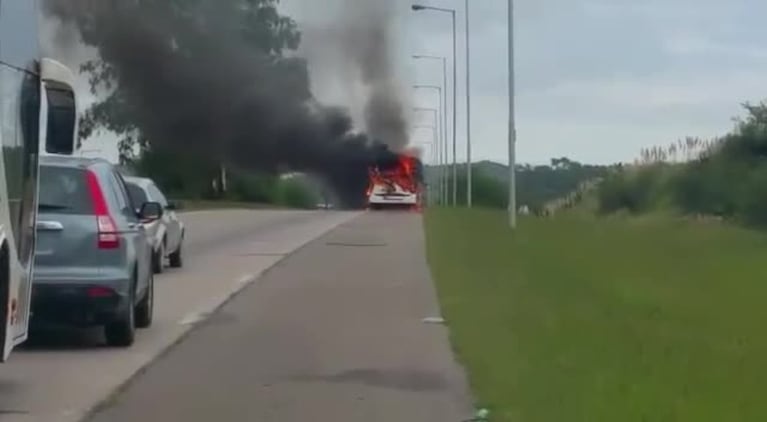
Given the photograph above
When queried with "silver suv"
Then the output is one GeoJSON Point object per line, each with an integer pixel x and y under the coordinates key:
{"type": "Point", "coordinates": [167, 232]}
{"type": "Point", "coordinates": [93, 258]}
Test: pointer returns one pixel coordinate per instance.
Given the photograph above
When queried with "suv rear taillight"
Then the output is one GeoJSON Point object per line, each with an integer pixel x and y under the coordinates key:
{"type": "Point", "coordinates": [108, 235]}
{"type": "Point", "coordinates": [96, 292]}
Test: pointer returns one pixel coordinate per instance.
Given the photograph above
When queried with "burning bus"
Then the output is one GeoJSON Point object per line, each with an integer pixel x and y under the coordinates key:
{"type": "Point", "coordinates": [396, 182]}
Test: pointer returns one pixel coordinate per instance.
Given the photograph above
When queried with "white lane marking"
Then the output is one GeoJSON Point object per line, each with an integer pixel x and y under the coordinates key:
{"type": "Point", "coordinates": [245, 280]}
{"type": "Point", "coordinates": [193, 319]}
{"type": "Point", "coordinates": [204, 312]}
{"type": "Point", "coordinates": [433, 320]}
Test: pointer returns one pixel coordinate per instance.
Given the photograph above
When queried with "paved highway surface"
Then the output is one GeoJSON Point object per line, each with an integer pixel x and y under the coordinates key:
{"type": "Point", "coordinates": [61, 375]}
{"type": "Point", "coordinates": [333, 332]}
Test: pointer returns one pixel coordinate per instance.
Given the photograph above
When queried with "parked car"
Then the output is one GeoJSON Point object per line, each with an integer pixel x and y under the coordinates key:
{"type": "Point", "coordinates": [93, 258]}
{"type": "Point", "coordinates": [167, 232]}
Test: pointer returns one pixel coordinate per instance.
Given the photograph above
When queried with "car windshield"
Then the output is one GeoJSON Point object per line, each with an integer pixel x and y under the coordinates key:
{"type": "Point", "coordinates": [137, 194]}
{"type": "Point", "coordinates": [157, 196]}
{"type": "Point", "coordinates": [64, 190]}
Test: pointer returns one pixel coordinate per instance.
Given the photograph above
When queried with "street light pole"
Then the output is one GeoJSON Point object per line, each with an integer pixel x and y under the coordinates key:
{"type": "Point", "coordinates": [432, 153]}
{"type": "Point", "coordinates": [435, 120]}
{"type": "Point", "coordinates": [455, 115]}
{"type": "Point", "coordinates": [445, 171]}
{"type": "Point", "coordinates": [419, 7]}
{"type": "Point", "coordinates": [512, 124]}
{"type": "Point", "coordinates": [468, 111]}
{"type": "Point", "coordinates": [445, 194]}
{"type": "Point", "coordinates": [441, 138]}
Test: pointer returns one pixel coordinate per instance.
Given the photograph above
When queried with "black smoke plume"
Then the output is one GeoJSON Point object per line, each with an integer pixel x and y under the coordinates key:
{"type": "Point", "coordinates": [192, 81]}
{"type": "Point", "coordinates": [366, 32]}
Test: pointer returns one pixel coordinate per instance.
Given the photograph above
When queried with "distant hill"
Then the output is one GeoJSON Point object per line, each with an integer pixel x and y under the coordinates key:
{"type": "Point", "coordinates": [539, 184]}
{"type": "Point", "coordinates": [497, 171]}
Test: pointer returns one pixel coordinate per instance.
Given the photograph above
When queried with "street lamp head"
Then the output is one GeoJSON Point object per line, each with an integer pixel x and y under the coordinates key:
{"type": "Point", "coordinates": [418, 7]}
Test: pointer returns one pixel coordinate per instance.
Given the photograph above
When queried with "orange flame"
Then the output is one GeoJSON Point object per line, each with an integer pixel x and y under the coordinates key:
{"type": "Point", "coordinates": [407, 164]}
{"type": "Point", "coordinates": [403, 176]}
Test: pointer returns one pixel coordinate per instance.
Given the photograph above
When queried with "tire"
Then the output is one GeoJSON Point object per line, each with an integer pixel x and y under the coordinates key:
{"type": "Point", "coordinates": [145, 309]}
{"type": "Point", "coordinates": [5, 281]}
{"type": "Point", "coordinates": [176, 258]}
{"type": "Point", "coordinates": [158, 259]}
{"type": "Point", "coordinates": [122, 332]}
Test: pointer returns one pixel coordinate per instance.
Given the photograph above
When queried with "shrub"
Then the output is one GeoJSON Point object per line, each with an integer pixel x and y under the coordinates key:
{"type": "Point", "coordinates": [248, 187]}
{"type": "Point", "coordinates": [633, 190]}
{"type": "Point", "coordinates": [729, 181]}
{"type": "Point", "coordinates": [487, 192]}
{"type": "Point", "coordinates": [752, 202]}
{"type": "Point", "coordinates": [295, 194]}
{"type": "Point", "coordinates": [177, 174]}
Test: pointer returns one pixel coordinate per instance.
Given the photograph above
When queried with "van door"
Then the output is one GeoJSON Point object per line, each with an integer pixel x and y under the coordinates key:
{"type": "Point", "coordinates": [20, 107]}
{"type": "Point", "coordinates": [27, 213]}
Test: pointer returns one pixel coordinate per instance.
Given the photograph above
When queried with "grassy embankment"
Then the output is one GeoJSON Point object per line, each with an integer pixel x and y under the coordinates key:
{"type": "Point", "coordinates": [578, 319]}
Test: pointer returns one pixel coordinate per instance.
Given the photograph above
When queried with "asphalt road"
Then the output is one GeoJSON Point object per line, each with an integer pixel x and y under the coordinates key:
{"type": "Point", "coordinates": [334, 332]}
{"type": "Point", "coordinates": [61, 376]}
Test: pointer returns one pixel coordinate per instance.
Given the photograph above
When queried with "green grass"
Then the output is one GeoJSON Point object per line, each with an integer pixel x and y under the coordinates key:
{"type": "Point", "coordinates": [618, 320]}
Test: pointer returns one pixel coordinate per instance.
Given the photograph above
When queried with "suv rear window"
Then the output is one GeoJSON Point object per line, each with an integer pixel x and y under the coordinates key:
{"type": "Point", "coordinates": [137, 194]}
{"type": "Point", "coordinates": [64, 190]}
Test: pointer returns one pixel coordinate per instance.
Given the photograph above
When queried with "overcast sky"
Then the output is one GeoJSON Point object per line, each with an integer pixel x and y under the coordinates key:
{"type": "Point", "coordinates": [597, 80]}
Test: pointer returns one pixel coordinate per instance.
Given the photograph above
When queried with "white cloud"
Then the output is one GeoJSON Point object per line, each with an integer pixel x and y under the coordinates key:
{"type": "Point", "coordinates": [612, 119]}
{"type": "Point", "coordinates": [702, 45]}
{"type": "Point", "coordinates": [680, 89]}
{"type": "Point", "coordinates": [680, 11]}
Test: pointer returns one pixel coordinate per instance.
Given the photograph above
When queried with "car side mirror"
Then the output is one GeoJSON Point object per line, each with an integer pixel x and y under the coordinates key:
{"type": "Point", "coordinates": [150, 211]}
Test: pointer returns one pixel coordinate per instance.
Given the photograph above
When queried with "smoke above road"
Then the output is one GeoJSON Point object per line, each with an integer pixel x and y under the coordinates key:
{"type": "Point", "coordinates": [352, 49]}
{"type": "Point", "coordinates": [367, 37]}
{"type": "Point", "coordinates": [193, 82]}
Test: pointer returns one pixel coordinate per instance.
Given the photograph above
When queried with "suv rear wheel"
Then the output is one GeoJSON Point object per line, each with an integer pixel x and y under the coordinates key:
{"type": "Point", "coordinates": [5, 291]}
{"type": "Point", "coordinates": [145, 308]}
{"type": "Point", "coordinates": [122, 331]}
